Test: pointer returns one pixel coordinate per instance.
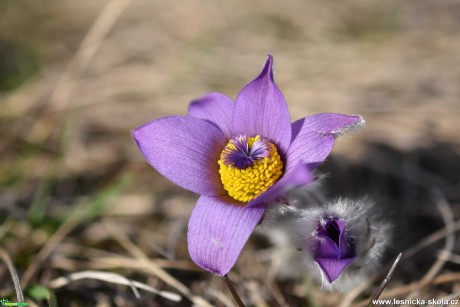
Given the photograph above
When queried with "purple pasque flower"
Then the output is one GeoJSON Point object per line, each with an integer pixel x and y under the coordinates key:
{"type": "Point", "coordinates": [238, 156]}
{"type": "Point", "coordinates": [332, 246]}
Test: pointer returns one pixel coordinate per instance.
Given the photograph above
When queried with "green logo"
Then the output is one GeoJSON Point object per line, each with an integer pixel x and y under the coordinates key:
{"type": "Point", "coordinates": [7, 302]}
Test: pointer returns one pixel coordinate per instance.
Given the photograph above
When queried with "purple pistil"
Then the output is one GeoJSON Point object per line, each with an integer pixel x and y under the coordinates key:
{"type": "Point", "coordinates": [243, 155]}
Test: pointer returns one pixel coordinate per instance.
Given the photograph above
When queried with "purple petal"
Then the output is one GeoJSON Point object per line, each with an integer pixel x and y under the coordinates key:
{"type": "Point", "coordinates": [299, 176]}
{"type": "Point", "coordinates": [333, 267]}
{"type": "Point", "coordinates": [218, 231]}
{"type": "Point", "coordinates": [346, 243]}
{"type": "Point", "coordinates": [313, 137]}
{"type": "Point", "coordinates": [216, 108]}
{"type": "Point", "coordinates": [260, 109]}
{"type": "Point", "coordinates": [342, 225]}
{"type": "Point", "coordinates": [326, 248]}
{"type": "Point", "coordinates": [185, 150]}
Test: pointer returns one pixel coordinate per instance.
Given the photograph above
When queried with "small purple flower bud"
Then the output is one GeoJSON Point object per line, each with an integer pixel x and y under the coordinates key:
{"type": "Point", "coordinates": [342, 242]}
{"type": "Point", "coordinates": [332, 246]}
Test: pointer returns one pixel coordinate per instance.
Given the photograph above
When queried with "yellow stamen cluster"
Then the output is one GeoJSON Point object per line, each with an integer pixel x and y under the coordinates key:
{"type": "Point", "coordinates": [246, 184]}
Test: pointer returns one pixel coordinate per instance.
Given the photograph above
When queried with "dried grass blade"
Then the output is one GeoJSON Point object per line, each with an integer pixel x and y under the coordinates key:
{"type": "Point", "coordinates": [112, 278]}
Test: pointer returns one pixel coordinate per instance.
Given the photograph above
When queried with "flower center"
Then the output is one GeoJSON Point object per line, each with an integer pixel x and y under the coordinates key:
{"type": "Point", "coordinates": [330, 229]}
{"type": "Point", "coordinates": [249, 166]}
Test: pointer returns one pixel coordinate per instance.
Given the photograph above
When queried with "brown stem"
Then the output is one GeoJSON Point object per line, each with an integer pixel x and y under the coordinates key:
{"type": "Point", "coordinates": [235, 295]}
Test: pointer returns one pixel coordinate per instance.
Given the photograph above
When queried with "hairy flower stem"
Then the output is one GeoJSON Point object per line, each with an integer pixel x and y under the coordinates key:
{"type": "Point", "coordinates": [235, 295]}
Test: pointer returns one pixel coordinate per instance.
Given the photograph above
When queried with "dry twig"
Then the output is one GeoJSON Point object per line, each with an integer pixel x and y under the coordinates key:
{"type": "Point", "coordinates": [384, 283]}
{"type": "Point", "coordinates": [151, 266]}
{"type": "Point", "coordinates": [14, 274]}
{"type": "Point", "coordinates": [47, 249]}
{"type": "Point", "coordinates": [448, 218]}
{"type": "Point", "coordinates": [433, 238]}
{"type": "Point", "coordinates": [93, 39]}
{"type": "Point", "coordinates": [441, 279]}
{"type": "Point", "coordinates": [62, 94]}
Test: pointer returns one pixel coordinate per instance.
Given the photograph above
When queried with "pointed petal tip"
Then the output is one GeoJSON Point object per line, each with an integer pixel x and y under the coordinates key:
{"type": "Point", "coordinates": [332, 268]}
{"type": "Point", "coordinates": [133, 131]}
{"type": "Point", "coordinates": [269, 59]}
{"type": "Point", "coordinates": [135, 135]}
{"type": "Point", "coordinates": [261, 102]}
{"type": "Point", "coordinates": [267, 69]}
{"type": "Point", "coordinates": [358, 122]}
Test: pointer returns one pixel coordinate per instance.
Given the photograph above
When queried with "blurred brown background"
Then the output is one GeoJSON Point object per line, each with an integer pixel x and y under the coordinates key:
{"type": "Point", "coordinates": [77, 76]}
